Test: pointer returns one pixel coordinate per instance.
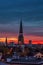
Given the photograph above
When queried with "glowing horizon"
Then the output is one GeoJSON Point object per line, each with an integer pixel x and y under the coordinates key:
{"type": "Point", "coordinates": [35, 39]}
{"type": "Point", "coordinates": [31, 12]}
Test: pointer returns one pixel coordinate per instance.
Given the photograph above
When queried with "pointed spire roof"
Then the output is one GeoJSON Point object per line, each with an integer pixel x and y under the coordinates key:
{"type": "Point", "coordinates": [21, 37]}
{"type": "Point", "coordinates": [6, 41]}
{"type": "Point", "coordinates": [21, 27]}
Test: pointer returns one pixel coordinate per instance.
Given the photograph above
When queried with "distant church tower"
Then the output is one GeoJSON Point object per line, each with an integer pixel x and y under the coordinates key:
{"type": "Point", "coordinates": [6, 41]}
{"type": "Point", "coordinates": [20, 37]}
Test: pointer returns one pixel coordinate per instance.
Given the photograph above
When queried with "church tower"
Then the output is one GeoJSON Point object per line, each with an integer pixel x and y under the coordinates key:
{"type": "Point", "coordinates": [20, 37]}
{"type": "Point", "coordinates": [6, 41]}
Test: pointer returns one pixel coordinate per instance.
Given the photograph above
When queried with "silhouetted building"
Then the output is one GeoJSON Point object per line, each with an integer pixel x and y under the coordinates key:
{"type": "Point", "coordinates": [6, 41]}
{"type": "Point", "coordinates": [30, 41]}
{"type": "Point", "coordinates": [11, 44]}
{"type": "Point", "coordinates": [20, 37]}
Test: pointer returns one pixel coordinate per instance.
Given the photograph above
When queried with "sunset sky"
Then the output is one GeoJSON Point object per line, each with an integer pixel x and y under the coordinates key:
{"type": "Point", "coordinates": [31, 12]}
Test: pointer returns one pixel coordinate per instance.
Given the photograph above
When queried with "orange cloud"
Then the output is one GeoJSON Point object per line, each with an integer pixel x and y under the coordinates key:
{"type": "Point", "coordinates": [35, 39]}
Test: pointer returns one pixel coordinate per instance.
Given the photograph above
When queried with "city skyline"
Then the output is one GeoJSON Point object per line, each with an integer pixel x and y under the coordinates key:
{"type": "Point", "coordinates": [31, 12]}
{"type": "Point", "coordinates": [25, 41]}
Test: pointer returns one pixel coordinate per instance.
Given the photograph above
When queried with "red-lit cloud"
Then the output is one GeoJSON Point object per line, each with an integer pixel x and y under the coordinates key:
{"type": "Point", "coordinates": [35, 39]}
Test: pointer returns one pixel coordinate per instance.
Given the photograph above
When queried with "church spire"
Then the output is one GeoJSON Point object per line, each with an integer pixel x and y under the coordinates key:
{"type": "Point", "coordinates": [21, 28]}
{"type": "Point", "coordinates": [6, 41]}
{"type": "Point", "coordinates": [21, 38]}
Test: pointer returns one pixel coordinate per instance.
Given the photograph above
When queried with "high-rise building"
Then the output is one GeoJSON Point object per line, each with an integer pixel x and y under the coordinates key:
{"type": "Point", "coordinates": [20, 37]}
{"type": "Point", "coordinates": [30, 42]}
